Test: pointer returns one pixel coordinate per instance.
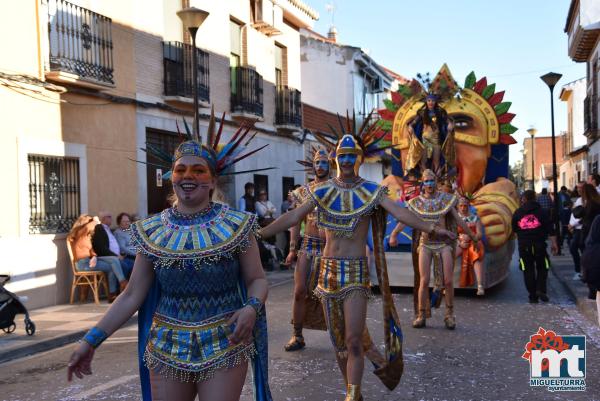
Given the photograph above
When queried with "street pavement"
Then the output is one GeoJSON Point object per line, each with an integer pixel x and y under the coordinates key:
{"type": "Point", "coordinates": [480, 360]}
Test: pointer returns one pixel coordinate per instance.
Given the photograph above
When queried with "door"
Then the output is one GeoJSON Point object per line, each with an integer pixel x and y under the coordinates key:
{"type": "Point", "coordinates": [158, 190]}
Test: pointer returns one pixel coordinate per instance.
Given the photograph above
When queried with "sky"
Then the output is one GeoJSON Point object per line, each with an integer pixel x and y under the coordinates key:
{"type": "Point", "coordinates": [510, 42]}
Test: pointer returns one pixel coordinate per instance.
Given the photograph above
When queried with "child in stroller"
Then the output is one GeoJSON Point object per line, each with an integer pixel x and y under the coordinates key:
{"type": "Point", "coordinates": [10, 305]}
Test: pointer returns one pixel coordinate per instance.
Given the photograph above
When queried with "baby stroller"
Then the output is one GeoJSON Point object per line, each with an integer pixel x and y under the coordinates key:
{"type": "Point", "coordinates": [10, 305]}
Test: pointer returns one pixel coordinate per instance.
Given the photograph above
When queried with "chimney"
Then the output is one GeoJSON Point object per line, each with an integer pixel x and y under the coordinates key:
{"type": "Point", "coordinates": [332, 34]}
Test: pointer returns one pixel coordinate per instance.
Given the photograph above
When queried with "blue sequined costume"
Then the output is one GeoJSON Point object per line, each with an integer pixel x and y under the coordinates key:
{"type": "Point", "coordinates": [183, 330]}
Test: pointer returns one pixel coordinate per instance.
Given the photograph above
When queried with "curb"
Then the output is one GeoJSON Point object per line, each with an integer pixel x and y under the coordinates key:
{"type": "Point", "coordinates": [579, 296]}
{"type": "Point", "coordinates": [72, 337]}
{"type": "Point", "coordinates": [49, 344]}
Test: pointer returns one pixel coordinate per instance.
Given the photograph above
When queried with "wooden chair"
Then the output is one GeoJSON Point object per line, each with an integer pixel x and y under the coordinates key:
{"type": "Point", "coordinates": [93, 279]}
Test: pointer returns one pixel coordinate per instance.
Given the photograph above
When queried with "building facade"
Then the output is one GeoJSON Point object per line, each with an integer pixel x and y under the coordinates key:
{"type": "Point", "coordinates": [542, 162]}
{"type": "Point", "coordinates": [583, 30]}
{"type": "Point", "coordinates": [90, 82]}
{"type": "Point", "coordinates": [342, 80]}
{"type": "Point", "coordinates": [574, 168]}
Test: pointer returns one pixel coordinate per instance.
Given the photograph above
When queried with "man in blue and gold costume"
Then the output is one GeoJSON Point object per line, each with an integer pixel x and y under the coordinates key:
{"type": "Point", "coordinates": [306, 310]}
{"type": "Point", "coordinates": [346, 205]}
{"type": "Point", "coordinates": [439, 208]}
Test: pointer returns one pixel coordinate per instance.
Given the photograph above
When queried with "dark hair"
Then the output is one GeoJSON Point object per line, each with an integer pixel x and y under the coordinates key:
{"type": "Point", "coordinates": [563, 188]}
{"type": "Point", "coordinates": [440, 114]}
{"type": "Point", "coordinates": [589, 193]}
{"type": "Point", "coordinates": [595, 178]}
{"type": "Point", "coordinates": [529, 195]}
{"type": "Point", "coordinates": [248, 185]}
{"type": "Point", "coordinates": [297, 186]}
{"type": "Point", "coordinates": [120, 217]}
{"type": "Point", "coordinates": [544, 191]}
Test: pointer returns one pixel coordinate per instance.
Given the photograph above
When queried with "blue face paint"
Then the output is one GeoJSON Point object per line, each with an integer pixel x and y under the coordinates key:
{"type": "Point", "coordinates": [347, 159]}
{"type": "Point", "coordinates": [429, 183]}
{"type": "Point", "coordinates": [322, 165]}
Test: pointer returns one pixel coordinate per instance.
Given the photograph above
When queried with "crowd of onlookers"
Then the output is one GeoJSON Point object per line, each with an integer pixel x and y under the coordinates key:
{"type": "Point", "coordinates": [271, 256]}
{"type": "Point", "coordinates": [579, 217]}
{"type": "Point", "coordinates": [95, 246]}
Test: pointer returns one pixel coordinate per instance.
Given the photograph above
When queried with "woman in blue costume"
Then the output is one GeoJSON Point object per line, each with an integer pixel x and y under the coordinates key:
{"type": "Point", "coordinates": [199, 277]}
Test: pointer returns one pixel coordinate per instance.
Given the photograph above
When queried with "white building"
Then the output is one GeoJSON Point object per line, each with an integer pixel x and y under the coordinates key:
{"type": "Point", "coordinates": [249, 68]}
{"type": "Point", "coordinates": [340, 79]}
{"type": "Point", "coordinates": [583, 29]}
{"type": "Point", "coordinates": [574, 168]}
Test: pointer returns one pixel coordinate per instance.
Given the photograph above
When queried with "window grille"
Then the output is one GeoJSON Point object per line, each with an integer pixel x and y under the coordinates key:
{"type": "Point", "coordinates": [54, 194]}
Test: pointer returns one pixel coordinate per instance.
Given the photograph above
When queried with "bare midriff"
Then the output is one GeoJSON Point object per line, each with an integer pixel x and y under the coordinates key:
{"type": "Point", "coordinates": [353, 247]}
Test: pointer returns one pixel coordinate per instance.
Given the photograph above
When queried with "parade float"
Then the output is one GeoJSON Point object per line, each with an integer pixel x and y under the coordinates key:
{"type": "Point", "coordinates": [474, 163]}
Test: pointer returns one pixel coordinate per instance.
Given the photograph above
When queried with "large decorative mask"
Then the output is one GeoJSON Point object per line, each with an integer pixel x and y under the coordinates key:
{"type": "Point", "coordinates": [480, 117]}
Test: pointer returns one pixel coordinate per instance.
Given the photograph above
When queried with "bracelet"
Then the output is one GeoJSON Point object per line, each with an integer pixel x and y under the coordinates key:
{"type": "Point", "coordinates": [293, 245]}
{"type": "Point", "coordinates": [258, 235]}
{"type": "Point", "coordinates": [256, 304]}
{"type": "Point", "coordinates": [95, 337]}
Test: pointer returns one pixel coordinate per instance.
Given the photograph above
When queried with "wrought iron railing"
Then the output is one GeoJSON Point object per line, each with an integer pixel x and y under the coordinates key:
{"type": "Point", "coordinates": [288, 107]}
{"type": "Point", "coordinates": [246, 91]}
{"type": "Point", "coordinates": [54, 199]}
{"type": "Point", "coordinates": [80, 41]}
{"type": "Point", "coordinates": [179, 68]}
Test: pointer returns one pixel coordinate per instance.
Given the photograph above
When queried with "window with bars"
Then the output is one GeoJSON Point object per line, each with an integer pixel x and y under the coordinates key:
{"type": "Point", "coordinates": [54, 194]}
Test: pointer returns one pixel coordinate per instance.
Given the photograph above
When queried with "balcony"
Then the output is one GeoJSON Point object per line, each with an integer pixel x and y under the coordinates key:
{"type": "Point", "coordinates": [246, 93]}
{"type": "Point", "coordinates": [583, 29]}
{"type": "Point", "coordinates": [288, 108]}
{"type": "Point", "coordinates": [81, 48]}
{"type": "Point", "coordinates": [178, 73]}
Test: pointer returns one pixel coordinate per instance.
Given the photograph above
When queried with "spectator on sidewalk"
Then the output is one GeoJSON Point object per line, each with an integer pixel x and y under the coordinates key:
{"type": "Point", "coordinates": [565, 204]}
{"type": "Point", "coordinates": [591, 258]}
{"type": "Point", "coordinates": [533, 226]}
{"type": "Point", "coordinates": [545, 200]}
{"type": "Point", "coordinates": [591, 206]}
{"type": "Point", "coordinates": [594, 179]}
{"type": "Point", "coordinates": [123, 236]}
{"type": "Point", "coordinates": [576, 246]}
{"type": "Point", "coordinates": [287, 204]}
{"type": "Point", "coordinates": [85, 258]}
{"type": "Point", "coordinates": [247, 201]}
{"type": "Point", "coordinates": [106, 246]}
{"type": "Point", "coordinates": [264, 209]}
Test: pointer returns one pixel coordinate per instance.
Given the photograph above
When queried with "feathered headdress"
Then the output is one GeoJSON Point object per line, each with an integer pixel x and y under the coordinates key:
{"type": "Point", "coordinates": [220, 157]}
{"type": "Point", "coordinates": [368, 138]}
{"type": "Point", "coordinates": [315, 153]}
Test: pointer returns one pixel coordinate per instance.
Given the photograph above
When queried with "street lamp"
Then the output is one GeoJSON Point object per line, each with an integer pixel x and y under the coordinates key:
{"type": "Point", "coordinates": [551, 79]}
{"type": "Point", "coordinates": [532, 131]}
{"type": "Point", "coordinates": [192, 18]}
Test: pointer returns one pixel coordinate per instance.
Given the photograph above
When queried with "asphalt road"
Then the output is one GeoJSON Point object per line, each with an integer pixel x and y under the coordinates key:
{"type": "Point", "coordinates": [480, 360]}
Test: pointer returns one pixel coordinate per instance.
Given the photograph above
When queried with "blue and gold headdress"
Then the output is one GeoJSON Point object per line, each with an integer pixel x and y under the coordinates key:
{"type": "Point", "coordinates": [365, 142]}
{"type": "Point", "coordinates": [316, 153]}
{"type": "Point", "coordinates": [220, 157]}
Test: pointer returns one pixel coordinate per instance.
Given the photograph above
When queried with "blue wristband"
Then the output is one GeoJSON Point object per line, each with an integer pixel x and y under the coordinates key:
{"type": "Point", "coordinates": [256, 304]}
{"type": "Point", "coordinates": [95, 337]}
